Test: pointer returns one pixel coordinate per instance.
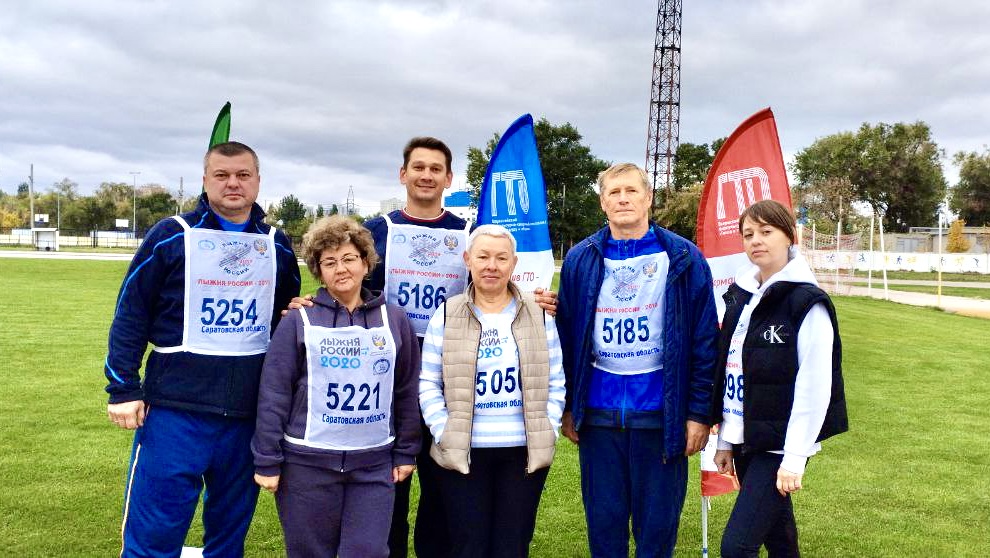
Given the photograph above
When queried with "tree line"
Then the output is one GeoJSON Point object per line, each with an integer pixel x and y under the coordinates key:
{"type": "Point", "coordinates": [71, 211]}
{"type": "Point", "coordinates": [894, 169]}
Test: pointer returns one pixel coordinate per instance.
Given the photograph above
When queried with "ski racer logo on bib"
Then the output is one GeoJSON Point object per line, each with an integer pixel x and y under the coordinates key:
{"type": "Point", "coordinates": [650, 268]}
{"type": "Point", "coordinates": [261, 247]}
{"type": "Point", "coordinates": [380, 366]}
{"type": "Point", "coordinates": [450, 241]}
{"type": "Point", "coordinates": [425, 251]}
{"type": "Point", "coordinates": [625, 283]}
{"type": "Point", "coordinates": [233, 261]}
{"type": "Point", "coordinates": [378, 341]}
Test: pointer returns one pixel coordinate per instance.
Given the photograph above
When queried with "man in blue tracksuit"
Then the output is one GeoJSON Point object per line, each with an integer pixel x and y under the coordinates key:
{"type": "Point", "coordinates": [205, 289]}
{"type": "Point", "coordinates": [638, 328]}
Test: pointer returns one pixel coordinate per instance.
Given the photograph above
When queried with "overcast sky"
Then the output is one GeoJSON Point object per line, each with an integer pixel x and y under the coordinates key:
{"type": "Point", "coordinates": [329, 92]}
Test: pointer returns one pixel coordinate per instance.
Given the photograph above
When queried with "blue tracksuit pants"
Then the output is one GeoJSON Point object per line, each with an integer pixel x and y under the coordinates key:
{"type": "Point", "coordinates": [623, 474]}
{"type": "Point", "coordinates": [176, 453]}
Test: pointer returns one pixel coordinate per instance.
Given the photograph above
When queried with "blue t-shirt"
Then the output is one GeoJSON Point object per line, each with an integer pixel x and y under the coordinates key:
{"type": "Point", "coordinates": [230, 226]}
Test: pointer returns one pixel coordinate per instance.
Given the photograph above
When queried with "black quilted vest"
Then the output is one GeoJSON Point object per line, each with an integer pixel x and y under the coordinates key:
{"type": "Point", "coordinates": [770, 363]}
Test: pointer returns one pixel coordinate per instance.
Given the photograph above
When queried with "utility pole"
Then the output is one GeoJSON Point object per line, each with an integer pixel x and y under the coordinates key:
{"type": "Point", "coordinates": [178, 208]}
{"type": "Point", "coordinates": [134, 175]}
{"type": "Point", "coordinates": [31, 198]}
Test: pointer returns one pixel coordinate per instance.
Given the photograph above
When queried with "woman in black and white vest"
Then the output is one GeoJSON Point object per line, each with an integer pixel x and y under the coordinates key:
{"type": "Point", "coordinates": [778, 387]}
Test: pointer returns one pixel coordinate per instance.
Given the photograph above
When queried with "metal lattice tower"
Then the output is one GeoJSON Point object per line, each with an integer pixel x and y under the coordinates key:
{"type": "Point", "coordinates": [350, 208]}
{"type": "Point", "coordinates": [663, 132]}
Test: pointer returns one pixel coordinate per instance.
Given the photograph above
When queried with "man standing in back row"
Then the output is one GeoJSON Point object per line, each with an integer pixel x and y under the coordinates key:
{"type": "Point", "coordinates": [637, 327]}
{"type": "Point", "coordinates": [421, 248]}
{"type": "Point", "coordinates": [204, 289]}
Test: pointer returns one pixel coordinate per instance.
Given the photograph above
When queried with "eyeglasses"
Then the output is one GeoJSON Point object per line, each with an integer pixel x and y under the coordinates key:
{"type": "Point", "coordinates": [348, 261]}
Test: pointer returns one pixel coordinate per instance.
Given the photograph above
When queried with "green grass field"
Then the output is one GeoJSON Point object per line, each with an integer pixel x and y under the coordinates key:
{"type": "Point", "coordinates": [910, 479]}
{"type": "Point", "coordinates": [966, 292]}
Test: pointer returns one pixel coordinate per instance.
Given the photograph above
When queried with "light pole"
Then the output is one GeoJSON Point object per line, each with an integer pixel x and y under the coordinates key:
{"type": "Point", "coordinates": [134, 174]}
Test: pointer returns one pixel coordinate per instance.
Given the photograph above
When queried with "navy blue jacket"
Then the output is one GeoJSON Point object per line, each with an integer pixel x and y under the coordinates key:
{"type": "Point", "coordinates": [690, 331]}
{"type": "Point", "coordinates": [150, 310]}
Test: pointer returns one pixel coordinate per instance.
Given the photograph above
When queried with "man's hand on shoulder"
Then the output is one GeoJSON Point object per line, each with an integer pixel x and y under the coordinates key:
{"type": "Point", "coordinates": [298, 302]}
{"type": "Point", "coordinates": [567, 427]}
{"type": "Point", "coordinates": [128, 415]}
{"type": "Point", "coordinates": [547, 300]}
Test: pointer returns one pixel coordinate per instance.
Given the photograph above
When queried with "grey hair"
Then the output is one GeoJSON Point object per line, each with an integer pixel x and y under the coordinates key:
{"type": "Point", "coordinates": [497, 231]}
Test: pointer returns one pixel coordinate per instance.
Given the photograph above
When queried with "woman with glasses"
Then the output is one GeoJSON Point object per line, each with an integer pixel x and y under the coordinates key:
{"type": "Point", "coordinates": [338, 417]}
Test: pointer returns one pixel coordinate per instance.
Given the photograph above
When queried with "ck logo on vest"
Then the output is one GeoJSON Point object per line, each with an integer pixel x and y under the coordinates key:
{"type": "Point", "coordinates": [775, 334]}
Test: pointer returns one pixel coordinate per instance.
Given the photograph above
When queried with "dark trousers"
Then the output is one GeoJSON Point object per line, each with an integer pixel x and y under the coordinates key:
{"type": "Point", "coordinates": [176, 453]}
{"type": "Point", "coordinates": [430, 537]}
{"type": "Point", "coordinates": [623, 474]}
{"type": "Point", "coordinates": [327, 513]}
{"type": "Point", "coordinates": [761, 515]}
{"type": "Point", "coordinates": [491, 511]}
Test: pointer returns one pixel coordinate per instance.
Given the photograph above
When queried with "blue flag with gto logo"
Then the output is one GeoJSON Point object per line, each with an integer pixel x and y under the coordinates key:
{"type": "Point", "coordinates": [514, 195]}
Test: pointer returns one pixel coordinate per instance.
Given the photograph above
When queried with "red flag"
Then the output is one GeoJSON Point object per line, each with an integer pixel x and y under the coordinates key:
{"type": "Point", "coordinates": [714, 483]}
{"type": "Point", "coordinates": [748, 168]}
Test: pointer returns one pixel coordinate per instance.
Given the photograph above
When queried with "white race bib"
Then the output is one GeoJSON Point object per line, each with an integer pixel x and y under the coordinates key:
{"type": "Point", "coordinates": [423, 267]}
{"type": "Point", "coordinates": [735, 381]}
{"type": "Point", "coordinates": [628, 337]}
{"type": "Point", "coordinates": [351, 373]}
{"type": "Point", "coordinates": [497, 390]}
{"type": "Point", "coordinates": [229, 292]}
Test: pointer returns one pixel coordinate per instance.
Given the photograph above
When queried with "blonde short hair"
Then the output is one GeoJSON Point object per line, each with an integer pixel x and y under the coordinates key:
{"type": "Point", "coordinates": [622, 168]}
{"type": "Point", "coordinates": [497, 231]}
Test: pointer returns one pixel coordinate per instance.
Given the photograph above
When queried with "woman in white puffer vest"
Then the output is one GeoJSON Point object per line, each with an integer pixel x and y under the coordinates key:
{"type": "Point", "coordinates": [492, 393]}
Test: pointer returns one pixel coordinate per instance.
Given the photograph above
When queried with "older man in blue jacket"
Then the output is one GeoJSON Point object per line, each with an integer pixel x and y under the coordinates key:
{"type": "Point", "coordinates": [638, 329]}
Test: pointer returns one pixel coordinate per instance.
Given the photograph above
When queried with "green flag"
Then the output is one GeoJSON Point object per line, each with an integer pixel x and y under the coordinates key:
{"type": "Point", "coordinates": [221, 130]}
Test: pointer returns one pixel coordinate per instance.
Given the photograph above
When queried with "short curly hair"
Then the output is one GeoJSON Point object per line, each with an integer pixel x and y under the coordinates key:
{"type": "Point", "coordinates": [330, 233]}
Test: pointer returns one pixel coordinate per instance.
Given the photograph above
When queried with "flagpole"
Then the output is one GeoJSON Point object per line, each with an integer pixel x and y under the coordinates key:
{"type": "Point", "coordinates": [869, 273]}
{"type": "Point", "coordinates": [939, 298]}
{"type": "Point", "coordinates": [883, 255]}
{"type": "Point", "coordinates": [704, 527]}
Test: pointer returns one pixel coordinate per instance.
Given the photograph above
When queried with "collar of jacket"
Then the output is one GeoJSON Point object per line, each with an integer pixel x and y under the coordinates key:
{"type": "Point", "coordinates": [257, 214]}
{"type": "Point", "coordinates": [675, 246]}
{"type": "Point", "coordinates": [369, 299]}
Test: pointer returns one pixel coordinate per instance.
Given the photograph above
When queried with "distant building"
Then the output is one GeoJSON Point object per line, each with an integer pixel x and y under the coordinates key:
{"type": "Point", "coordinates": [391, 204]}
{"type": "Point", "coordinates": [926, 239]}
{"type": "Point", "coordinates": [459, 203]}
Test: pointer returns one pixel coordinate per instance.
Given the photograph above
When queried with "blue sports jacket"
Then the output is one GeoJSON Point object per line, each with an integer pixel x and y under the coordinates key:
{"type": "Point", "coordinates": [690, 331]}
{"type": "Point", "coordinates": [150, 310]}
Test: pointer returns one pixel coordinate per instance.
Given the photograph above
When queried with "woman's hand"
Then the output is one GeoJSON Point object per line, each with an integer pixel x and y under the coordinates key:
{"type": "Point", "coordinates": [788, 482]}
{"type": "Point", "coordinates": [402, 472]}
{"type": "Point", "coordinates": [268, 483]}
{"type": "Point", "coordinates": [298, 302]}
{"type": "Point", "coordinates": [723, 460]}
